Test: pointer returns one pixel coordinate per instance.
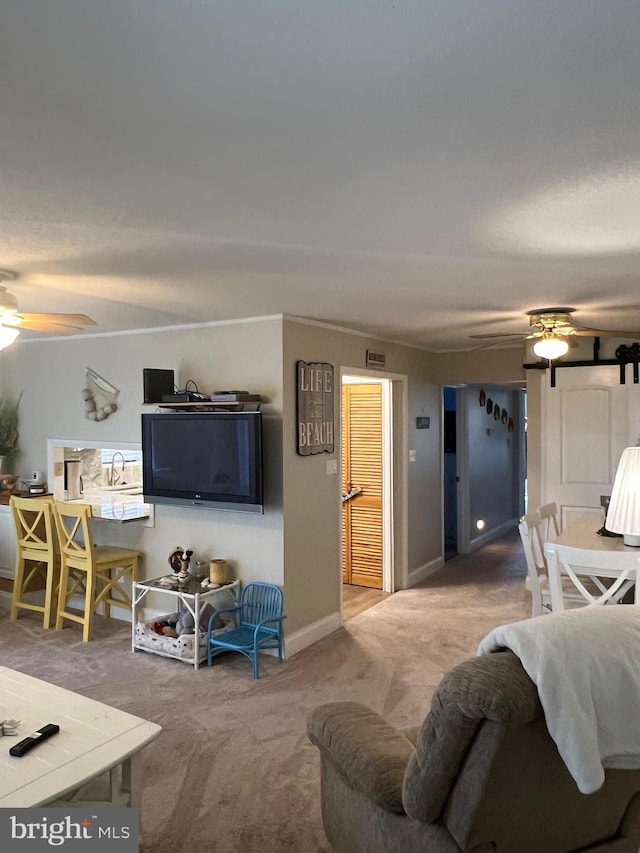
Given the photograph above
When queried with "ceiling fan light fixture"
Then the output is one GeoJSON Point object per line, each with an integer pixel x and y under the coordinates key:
{"type": "Point", "coordinates": [551, 346]}
{"type": "Point", "coordinates": [7, 336]}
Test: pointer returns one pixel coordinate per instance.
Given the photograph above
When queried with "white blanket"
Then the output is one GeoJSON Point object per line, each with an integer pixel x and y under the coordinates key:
{"type": "Point", "coordinates": [586, 665]}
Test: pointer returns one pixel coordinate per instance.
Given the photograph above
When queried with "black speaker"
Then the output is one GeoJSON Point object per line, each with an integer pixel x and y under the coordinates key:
{"type": "Point", "coordinates": [156, 384]}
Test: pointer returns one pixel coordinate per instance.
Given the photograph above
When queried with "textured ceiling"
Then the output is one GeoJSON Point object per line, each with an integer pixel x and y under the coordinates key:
{"type": "Point", "coordinates": [424, 170]}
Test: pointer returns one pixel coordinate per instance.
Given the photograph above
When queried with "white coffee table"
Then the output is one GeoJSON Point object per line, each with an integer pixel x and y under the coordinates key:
{"type": "Point", "coordinates": [94, 740]}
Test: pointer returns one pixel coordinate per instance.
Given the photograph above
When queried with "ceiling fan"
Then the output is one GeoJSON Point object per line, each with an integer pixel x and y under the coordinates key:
{"type": "Point", "coordinates": [12, 321]}
{"type": "Point", "coordinates": [553, 331]}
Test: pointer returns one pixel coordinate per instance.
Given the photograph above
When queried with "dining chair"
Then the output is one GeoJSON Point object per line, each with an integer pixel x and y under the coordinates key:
{"type": "Point", "coordinates": [532, 529]}
{"type": "Point", "coordinates": [533, 546]}
{"type": "Point", "coordinates": [550, 524]}
{"type": "Point", "coordinates": [595, 576]}
{"type": "Point", "coordinates": [37, 557]}
{"type": "Point", "coordinates": [94, 572]}
{"type": "Point", "coordinates": [259, 624]}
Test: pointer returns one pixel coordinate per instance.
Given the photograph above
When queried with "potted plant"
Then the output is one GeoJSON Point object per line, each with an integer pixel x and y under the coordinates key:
{"type": "Point", "coordinates": [8, 426]}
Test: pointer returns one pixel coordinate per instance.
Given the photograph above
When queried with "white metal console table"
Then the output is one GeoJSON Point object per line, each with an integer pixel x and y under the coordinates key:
{"type": "Point", "coordinates": [192, 596]}
{"type": "Point", "coordinates": [94, 739]}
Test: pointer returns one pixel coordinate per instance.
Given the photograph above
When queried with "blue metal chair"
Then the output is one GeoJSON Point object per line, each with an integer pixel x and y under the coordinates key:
{"type": "Point", "coordinates": [259, 624]}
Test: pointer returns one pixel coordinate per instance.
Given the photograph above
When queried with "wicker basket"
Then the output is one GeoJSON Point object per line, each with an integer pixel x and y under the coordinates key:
{"type": "Point", "coordinates": [176, 647]}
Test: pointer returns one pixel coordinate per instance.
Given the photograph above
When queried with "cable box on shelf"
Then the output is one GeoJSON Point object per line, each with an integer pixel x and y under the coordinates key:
{"type": "Point", "coordinates": [186, 397]}
{"type": "Point", "coordinates": [234, 397]}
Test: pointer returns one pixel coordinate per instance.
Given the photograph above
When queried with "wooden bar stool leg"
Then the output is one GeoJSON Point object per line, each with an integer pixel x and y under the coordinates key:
{"type": "Point", "coordinates": [18, 592]}
{"type": "Point", "coordinates": [88, 607]}
{"type": "Point", "coordinates": [62, 596]}
{"type": "Point", "coordinates": [49, 594]}
{"type": "Point", "coordinates": [106, 604]}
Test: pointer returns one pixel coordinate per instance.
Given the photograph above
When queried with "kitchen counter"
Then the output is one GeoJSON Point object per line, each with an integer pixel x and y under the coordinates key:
{"type": "Point", "coordinates": [5, 497]}
{"type": "Point", "coordinates": [116, 506]}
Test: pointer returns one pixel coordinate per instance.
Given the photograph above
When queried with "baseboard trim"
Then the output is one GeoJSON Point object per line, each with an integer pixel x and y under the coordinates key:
{"type": "Point", "coordinates": [310, 634]}
{"type": "Point", "coordinates": [425, 571]}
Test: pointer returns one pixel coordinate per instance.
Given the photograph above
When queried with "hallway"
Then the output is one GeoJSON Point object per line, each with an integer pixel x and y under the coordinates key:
{"type": "Point", "coordinates": [500, 562]}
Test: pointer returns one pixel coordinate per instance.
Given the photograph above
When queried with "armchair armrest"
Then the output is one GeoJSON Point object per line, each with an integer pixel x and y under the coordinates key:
{"type": "Point", "coordinates": [261, 625]}
{"type": "Point", "coordinates": [370, 753]}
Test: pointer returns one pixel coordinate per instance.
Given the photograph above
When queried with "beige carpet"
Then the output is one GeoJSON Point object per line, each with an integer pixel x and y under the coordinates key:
{"type": "Point", "coordinates": [233, 771]}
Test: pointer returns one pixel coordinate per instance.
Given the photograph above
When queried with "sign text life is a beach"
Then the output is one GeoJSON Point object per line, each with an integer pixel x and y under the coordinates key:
{"type": "Point", "coordinates": [315, 420]}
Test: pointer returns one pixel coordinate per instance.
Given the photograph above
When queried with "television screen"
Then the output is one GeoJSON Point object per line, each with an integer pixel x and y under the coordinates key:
{"type": "Point", "coordinates": [211, 459]}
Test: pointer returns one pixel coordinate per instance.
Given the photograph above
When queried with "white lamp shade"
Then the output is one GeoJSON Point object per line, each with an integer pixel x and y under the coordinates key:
{"type": "Point", "coordinates": [550, 347]}
{"type": "Point", "coordinates": [623, 514]}
{"type": "Point", "coordinates": [7, 335]}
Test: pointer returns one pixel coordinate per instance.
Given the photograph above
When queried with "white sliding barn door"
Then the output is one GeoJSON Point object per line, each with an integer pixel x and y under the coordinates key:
{"type": "Point", "coordinates": [585, 426]}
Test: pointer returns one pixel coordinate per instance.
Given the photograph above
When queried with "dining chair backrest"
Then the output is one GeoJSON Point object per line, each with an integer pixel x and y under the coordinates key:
{"type": "Point", "coordinates": [530, 529]}
{"type": "Point", "coordinates": [260, 601]}
{"type": "Point", "coordinates": [550, 524]}
{"type": "Point", "coordinates": [597, 576]}
{"type": "Point", "coordinates": [33, 522]}
{"type": "Point", "coordinates": [74, 533]}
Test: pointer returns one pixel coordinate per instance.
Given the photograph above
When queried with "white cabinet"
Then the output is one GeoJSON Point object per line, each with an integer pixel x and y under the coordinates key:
{"type": "Point", "coordinates": [7, 546]}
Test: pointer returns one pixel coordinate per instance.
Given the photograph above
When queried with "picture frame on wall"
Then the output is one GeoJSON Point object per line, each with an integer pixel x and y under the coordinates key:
{"type": "Point", "coordinates": [315, 421]}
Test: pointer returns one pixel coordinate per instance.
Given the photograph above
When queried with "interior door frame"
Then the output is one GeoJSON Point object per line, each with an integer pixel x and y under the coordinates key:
{"type": "Point", "coordinates": [395, 475]}
{"type": "Point", "coordinates": [466, 542]}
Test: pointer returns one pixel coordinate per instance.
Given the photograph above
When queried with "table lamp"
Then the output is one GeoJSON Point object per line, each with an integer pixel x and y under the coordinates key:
{"type": "Point", "coordinates": [623, 515]}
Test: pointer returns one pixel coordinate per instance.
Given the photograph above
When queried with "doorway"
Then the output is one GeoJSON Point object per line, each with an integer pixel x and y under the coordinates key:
{"type": "Point", "coordinates": [392, 525]}
{"type": "Point", "coordinates": [363, 481]}
{"type": "Point", "coordinates": [484, 464]}
{"type": "Point", "coordinates": [373, 485]}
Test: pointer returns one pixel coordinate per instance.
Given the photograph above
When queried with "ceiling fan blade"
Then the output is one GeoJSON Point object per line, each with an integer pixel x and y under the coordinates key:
{"type": "Point", "coordinates": [486, 336]}
{"type": "Point", "coordinates": [64, 319]}
{"type": "Point", "coordinates": [503, 344]}
{"type": "Point", "coordinates": [584, 331]}
{"type": "Point", "coordinates": [48, 328]}
{"type": "Point", "coordinates": [52, 324]}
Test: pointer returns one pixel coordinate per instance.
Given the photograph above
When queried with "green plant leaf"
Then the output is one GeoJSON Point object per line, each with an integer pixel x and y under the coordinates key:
{"type": "Point", "coordinates": [9, 409]}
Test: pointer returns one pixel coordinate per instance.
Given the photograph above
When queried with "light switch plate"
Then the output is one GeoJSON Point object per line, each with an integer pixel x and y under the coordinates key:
{"type": "Point", "coordinates": [332, 466]}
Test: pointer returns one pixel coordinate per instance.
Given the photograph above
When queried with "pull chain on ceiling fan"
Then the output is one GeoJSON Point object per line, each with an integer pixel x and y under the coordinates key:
{"type": "Point", "coordinates": [12, 321]}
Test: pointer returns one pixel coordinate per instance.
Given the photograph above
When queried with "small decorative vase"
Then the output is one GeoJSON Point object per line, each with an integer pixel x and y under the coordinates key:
{"type": "Point", "coordinates": [199, 569]}
{"type": "Point", "coordinates": [218, 571]}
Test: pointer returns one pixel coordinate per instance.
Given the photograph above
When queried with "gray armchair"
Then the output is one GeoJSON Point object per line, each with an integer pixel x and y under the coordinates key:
{"type": "Point", "coordinates": [482, 774]}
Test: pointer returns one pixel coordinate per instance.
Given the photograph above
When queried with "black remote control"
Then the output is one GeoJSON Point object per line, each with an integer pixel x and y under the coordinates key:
{"type": "Point", "coordinates": [28, 743]}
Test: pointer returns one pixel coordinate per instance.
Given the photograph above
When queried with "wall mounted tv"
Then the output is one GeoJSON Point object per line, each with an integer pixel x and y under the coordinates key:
{"type": "Point", "coordinates": [211, 460]}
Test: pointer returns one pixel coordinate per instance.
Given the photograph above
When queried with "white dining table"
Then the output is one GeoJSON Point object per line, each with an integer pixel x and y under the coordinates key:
{"type": "Point", "coordinates": [583, 535]}
{"type": "Point", "coordinates": [95, 741]}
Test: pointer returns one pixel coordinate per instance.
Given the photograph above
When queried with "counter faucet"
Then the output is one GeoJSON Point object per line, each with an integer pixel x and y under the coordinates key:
{"type": "Point", "coordinates": [113, 477]}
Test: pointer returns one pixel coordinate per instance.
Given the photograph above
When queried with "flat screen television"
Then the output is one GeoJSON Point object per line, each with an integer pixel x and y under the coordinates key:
{"type": "Point", "coordinates": [203, 459]}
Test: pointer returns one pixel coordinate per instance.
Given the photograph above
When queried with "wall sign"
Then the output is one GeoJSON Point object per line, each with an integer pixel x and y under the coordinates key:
{"type": "Point", "coordinates": [376, 359]}
{"type": "Point", "coordinates": [315, 420]}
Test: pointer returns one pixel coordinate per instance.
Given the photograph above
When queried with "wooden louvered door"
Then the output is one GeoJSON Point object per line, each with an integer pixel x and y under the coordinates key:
{"type": "Point", "coordinates": [362, 553]}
